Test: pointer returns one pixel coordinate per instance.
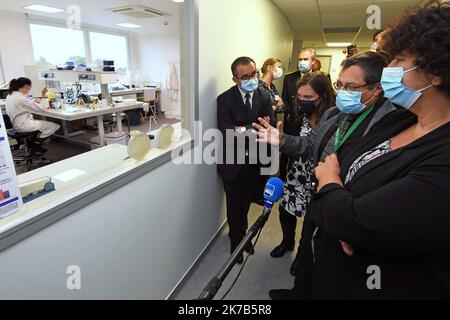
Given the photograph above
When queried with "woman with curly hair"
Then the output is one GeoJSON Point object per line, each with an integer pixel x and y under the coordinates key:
{"type": "Point", "coordinates": [383, 215]}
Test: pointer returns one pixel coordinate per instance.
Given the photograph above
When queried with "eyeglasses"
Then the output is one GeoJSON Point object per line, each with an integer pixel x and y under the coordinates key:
{"type": "Point", "coordinates": [352, 88]}
{"type": "Point", "coordinates": [252, 76]}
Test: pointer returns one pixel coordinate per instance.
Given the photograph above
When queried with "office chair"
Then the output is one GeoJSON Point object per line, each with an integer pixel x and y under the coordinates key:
{"type": "Point", "coordinates": [27, 140]}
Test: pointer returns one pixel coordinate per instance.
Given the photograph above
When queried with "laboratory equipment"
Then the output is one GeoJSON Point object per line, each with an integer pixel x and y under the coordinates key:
{"type": "Point", "coordinates": [108, 66]}
{"type": "Point", "coordinates": [138, 146]}
{"type": "Point", "coordinates": [70, 96]}
{"type": "Point", "coordinates": [164, 138]}
{"type": "Point", "coordinates": [68, 80]}
{"type": "Point", "coordinates": [36, 189]}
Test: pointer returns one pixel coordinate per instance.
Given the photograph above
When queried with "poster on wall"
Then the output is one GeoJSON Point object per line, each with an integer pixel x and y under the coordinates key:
{"type": "Point", "coordinates": [10, 198]}
{"type": "Point", "coordinates": [2, 73]}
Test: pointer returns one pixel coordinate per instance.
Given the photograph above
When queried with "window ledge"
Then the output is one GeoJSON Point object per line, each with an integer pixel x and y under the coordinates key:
{"type": "Point", "coordinates": [106, 169]}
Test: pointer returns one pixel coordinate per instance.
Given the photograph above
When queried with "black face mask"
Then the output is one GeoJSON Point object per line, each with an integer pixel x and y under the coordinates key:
{"type": "Point", "coordinates": [308, 107]}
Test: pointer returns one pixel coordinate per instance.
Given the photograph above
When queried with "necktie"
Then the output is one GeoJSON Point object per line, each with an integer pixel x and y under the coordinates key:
{"type": "Point", "coordinates": [248, 106]}
{"type": "Point", "coordinates": [329, 149]}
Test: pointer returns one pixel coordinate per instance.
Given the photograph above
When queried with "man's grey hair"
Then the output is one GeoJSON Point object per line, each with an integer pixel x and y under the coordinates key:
{"type": "Point", "coordinates": [310, 50]}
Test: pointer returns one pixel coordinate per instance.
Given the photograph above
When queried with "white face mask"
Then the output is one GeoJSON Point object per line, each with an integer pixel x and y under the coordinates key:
{"type": "Point", "coordinates": [278, 73]}
{"type": "Point", "coordinates": [374, 47]}
{"type": "Point", "coordinates": [304, 66]}
{"type": "Point", "coordinates": [396, 91]}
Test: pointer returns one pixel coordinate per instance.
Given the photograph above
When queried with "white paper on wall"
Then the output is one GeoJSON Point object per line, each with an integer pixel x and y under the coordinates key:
{"type": "Point", "coordinates": [2, 72]}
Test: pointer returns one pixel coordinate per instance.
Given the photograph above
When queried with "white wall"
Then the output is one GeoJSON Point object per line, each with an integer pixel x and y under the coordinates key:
{"type": "Point", "coordinates": [232, 28]}
{"type": "Point", "coordinates": [298, 45]}
{"type": "Point", "coordinates": [153, 54]}
{"type": "Point", "coordinates": [15, 48]}
{"type": "Point", "coordinates": [224, 36]}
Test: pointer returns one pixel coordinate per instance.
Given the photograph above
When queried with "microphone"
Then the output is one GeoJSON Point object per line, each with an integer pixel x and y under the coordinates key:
{"type": "Point", "coordinates": [272, 193]}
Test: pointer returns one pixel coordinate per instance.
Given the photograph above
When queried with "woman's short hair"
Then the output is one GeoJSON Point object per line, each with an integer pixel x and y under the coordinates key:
{"type": "Point", "coordinates": [371, 63]}
{"type": "Point", "coordinates": [241, 61]}
{"type": "Point", "coordinates": [424, 32]}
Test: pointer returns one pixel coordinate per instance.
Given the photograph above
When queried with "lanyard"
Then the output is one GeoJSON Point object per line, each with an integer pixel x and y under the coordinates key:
{"type": "Point", "coordinates": [338, 141]}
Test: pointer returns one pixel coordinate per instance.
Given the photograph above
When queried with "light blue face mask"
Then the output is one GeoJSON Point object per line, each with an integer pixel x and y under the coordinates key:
{"type": "Point", "coordinates": [374, 47]}
{"type": "Point", "coordinates": [350, 102]}
{"type": "Point", "coordinates": [396, 91]}
{"type": "Point", "coordinates": [250, 85]}
{"type": "Point", "coordinates": [303, 66]}
{"type": "Point", "coordinates": [278, 73]}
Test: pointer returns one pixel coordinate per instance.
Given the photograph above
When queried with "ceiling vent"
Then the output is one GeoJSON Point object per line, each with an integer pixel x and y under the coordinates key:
{"type": "Point", "coordinates": [341, 30]}
{"type": "Point", "coordinates": [139, 12]}
{"type": "Point", "coordinates": [346, 34]}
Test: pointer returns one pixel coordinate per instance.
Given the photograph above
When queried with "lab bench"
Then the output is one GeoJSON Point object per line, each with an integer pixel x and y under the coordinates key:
{"type": "Point", "coordinates": [71, 113]}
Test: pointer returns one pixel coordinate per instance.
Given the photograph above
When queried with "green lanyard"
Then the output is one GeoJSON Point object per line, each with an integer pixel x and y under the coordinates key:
{"type": "Point", "coordinates": [338, 141]}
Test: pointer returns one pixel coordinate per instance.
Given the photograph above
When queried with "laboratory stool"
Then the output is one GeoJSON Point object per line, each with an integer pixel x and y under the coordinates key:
{"type": "Point", "coordinates": [27, 140]}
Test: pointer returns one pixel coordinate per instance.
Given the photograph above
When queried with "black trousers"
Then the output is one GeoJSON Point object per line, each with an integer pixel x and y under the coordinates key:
{"type": "Point", "coordinates": [239, 194]}
{"type": "Point", "coordinates": [305, 270]}
{"type": "Point", "coordinates": [288, 225]}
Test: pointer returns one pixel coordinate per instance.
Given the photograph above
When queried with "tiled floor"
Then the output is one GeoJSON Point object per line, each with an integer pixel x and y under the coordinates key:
{"type": "Point", "coordinates": [261, 273]}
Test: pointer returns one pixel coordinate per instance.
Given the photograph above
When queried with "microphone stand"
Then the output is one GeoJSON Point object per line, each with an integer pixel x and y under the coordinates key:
{"type": "Point", "coordinates": [215, 284]}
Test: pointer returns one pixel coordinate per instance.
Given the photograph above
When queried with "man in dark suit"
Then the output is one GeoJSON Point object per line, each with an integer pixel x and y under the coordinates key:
{"type": "Point", "coordinates": [237, 109]}
{"type": "Point", "coordinates": [317, 66]}
{"type": "Point", "coordinates": [306, 60]}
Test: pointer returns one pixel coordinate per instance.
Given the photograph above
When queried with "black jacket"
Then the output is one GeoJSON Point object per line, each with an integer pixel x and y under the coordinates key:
{"type": "Point", "coordinates": [290, 89]}
{"type": "Point", "coordinates": [396, 214]}
{"type": "Point", "coordinates": [231, 112]}
{"type": "Point", "coordinates": [312, 145]}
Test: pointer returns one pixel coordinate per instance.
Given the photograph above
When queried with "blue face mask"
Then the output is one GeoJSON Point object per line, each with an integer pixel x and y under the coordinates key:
{"type": "Point", "coordinates": [396, 91]}
{"type": "Point", "coordinates": [374, 47]}
{"type": "Point", "coordinates": [250, 85]}
{"type": "Point", "coordinates": [304, 67]}
{"type": "Point", "coordinates": [350, 102]}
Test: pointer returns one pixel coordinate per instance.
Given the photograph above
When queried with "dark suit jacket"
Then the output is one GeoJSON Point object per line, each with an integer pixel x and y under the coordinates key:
{"type": "Point", "coordinates": [290, 89]}
{"type": "Point", "coordinates": [395, 212]}
{"type": "Point", "coordinates": [231, 112]}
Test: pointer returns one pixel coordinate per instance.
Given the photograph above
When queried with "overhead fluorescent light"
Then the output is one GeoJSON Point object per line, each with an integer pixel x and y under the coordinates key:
{"type": "Point", "coordinates": [46, 9]}
{"type": "Point", "coordinates": [338, 44]}
{"type": "Point", "coordinates": [178, 0]}
{"type": "Point", "coordinates": [129, 25]}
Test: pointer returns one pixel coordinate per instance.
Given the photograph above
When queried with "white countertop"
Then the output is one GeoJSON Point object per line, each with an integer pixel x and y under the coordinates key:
{"type": "Point", "coordinates": [132, 91]}
{"type": "Point", "coordinates": [100, 166]}
{"type": "Point", "coordinates": [126, 91]}
{"type": "Point", "coordinates": [71, 113]}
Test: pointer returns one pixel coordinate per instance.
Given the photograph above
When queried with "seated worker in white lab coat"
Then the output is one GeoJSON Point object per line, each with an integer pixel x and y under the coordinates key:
{"type": "Point", "coordinates": [19, 107]}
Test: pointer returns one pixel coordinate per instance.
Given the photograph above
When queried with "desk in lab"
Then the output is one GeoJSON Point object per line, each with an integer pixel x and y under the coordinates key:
{"type": "Point", "coordinates": [72, 113]}
{"type": "Point", "coordinates": [144, 95]}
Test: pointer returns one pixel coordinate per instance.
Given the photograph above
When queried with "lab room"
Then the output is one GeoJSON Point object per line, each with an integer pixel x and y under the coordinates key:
{"type": "Point", "coordinates": [76, 76]}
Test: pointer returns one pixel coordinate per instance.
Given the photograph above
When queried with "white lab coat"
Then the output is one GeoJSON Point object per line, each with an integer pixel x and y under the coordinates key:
{"type": "Point", "coordinates": [19, 108]}
{"type": "Point", "coordinates": [172, 82]}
